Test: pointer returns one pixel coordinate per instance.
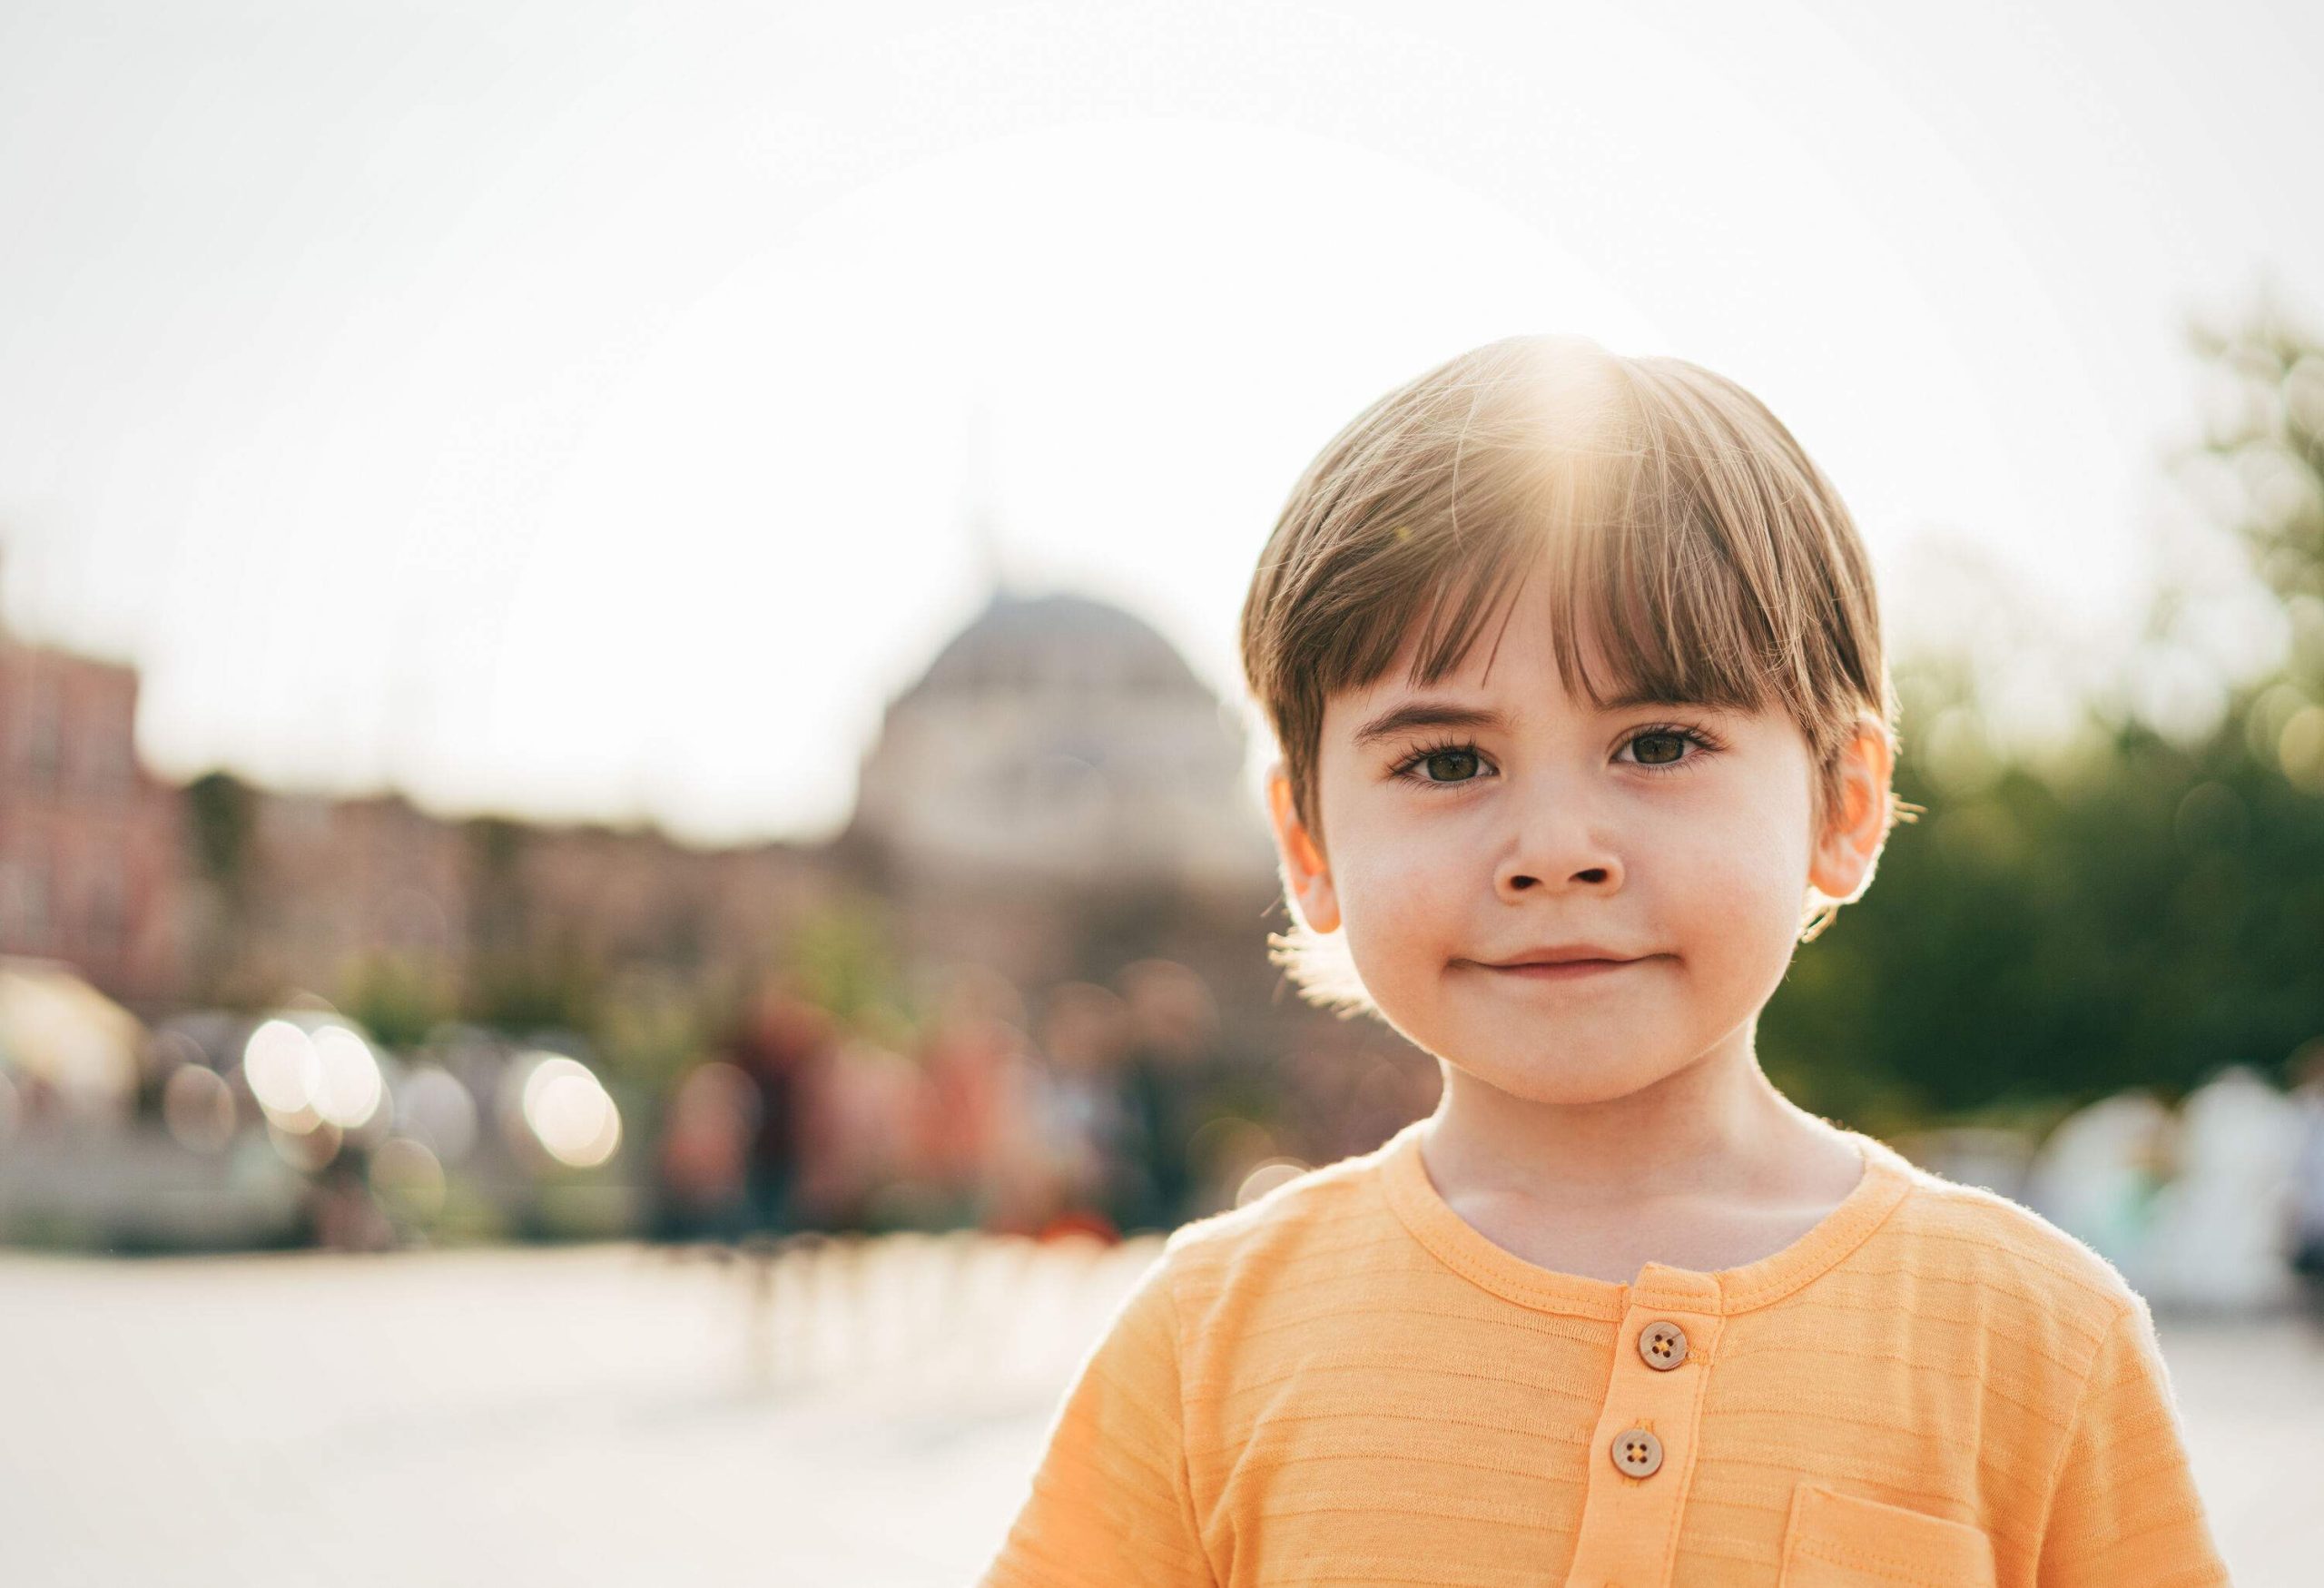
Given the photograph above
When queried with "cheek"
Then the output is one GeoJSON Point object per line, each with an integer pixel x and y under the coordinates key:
{"type": "Point", "coordinates": [1402, 901]}
{"type": "Point", "coordinates": [1409, 861]}
{"type": "Point", "coordinates": [1739, 885]}
{"type": "Point", "coordinates": [1388, 898]}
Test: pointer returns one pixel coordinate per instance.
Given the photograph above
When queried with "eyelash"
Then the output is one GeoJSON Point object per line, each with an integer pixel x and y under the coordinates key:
{"type": "Point", "coordinates": [1703, 744]}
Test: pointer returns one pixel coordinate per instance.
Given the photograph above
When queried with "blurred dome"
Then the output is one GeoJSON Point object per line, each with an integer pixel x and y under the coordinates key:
{"type": "Point", "coordinates": [1061, 736]}
{"type": "Point", "coordinates": [1022, 640]}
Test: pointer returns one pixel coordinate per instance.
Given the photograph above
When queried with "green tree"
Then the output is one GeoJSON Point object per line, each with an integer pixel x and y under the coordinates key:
{"type": "Point", "coordinates": [221, 817]}
{"type": "Point", "coordinates": [2145, 906]}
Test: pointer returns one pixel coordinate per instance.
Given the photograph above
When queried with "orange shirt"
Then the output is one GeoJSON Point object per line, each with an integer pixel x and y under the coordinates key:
{"type": "Point", "coordinates": [1345, 1382]}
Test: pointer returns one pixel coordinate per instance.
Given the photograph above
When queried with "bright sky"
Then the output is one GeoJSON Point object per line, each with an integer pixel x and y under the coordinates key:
{"type": "Point", "coordinates": [564, 407]}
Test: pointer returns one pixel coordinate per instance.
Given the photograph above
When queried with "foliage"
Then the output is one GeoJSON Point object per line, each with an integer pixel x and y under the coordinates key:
{"type": "Point", "coordinates": [2141, 914]}
{"type": "Point", "coordinates": [841, 958]}
{"type": "Point", "coordinates": [219, 814]}
{"type": "Point", "coordinates": [398, 997]}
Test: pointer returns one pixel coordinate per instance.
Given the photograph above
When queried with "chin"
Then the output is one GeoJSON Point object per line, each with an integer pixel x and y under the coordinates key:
{"type": "Point", "coordinates": [1567, 1085]}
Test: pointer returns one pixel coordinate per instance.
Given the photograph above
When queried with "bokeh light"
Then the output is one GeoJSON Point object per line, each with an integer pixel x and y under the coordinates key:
{"type": "Point", "coordinates": [569, 1112]}
{"type": "Point", "coordinates": [1266, 1176]}
{"type": "Point", "coordinates": [349, 1085]}
{"type": "Point", "coordinates": [282, 1069]}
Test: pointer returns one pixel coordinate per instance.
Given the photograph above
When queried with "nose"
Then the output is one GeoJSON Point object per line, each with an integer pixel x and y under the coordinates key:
{"type": "Point", "coordinates": [1558, 843]}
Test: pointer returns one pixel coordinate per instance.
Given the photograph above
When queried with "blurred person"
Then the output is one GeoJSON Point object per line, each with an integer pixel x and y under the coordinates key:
{"type": "Point", "coordinates": [1083, 1119]}
{"type": "Point", "coordinates": [702, 1166]}
{"type": "Point", "coordinates": [2097, 1173]}
{"type": "Point", "coordinates": [1029, 1180]}
{"type": "Point", "coordinates": [2217, 1243]}
{"type": "Point", "coordinates": [1022, 1194]}
{"type": "Point", "coordinates": [780, 1036]}
{"type": "Point", "coordinates": [856, 1099]}
{"type": "Point", "coordinates": [1167, 1072]}
{"type": "Point", "coordinates": [955, 1113]}
{"type": "Point", "coordinates": [1617, 1311]}
{"type": "Point", "coordinates": [346, 1213]}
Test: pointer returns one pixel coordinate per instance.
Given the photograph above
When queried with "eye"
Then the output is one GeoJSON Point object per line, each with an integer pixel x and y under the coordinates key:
{"type": "Point", "coordinates": [1452, 756]}
{"type": "Point", "coordinates": [1452, 762]}
{"type": "Point", "coordinates": [1669, 739]}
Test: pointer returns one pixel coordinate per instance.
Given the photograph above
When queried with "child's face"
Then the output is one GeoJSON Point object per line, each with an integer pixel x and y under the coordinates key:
{"type": "Point", "coordinates": [1455, 848]}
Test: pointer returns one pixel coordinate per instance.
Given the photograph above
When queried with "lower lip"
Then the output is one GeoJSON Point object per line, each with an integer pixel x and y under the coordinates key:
{"type": "Point", "coordinates": [1567, 970]}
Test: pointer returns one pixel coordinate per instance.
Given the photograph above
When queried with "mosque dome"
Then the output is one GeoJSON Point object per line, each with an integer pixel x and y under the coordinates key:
{"type": "Point", "coordinates": [1020, 640]}
{"type": "Point", "coordinates": [1060, 734]}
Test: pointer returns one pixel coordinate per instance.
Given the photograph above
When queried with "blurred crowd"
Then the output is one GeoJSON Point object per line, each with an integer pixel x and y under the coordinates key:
{"type": "Point", "coordinates": [1116, 1112]}
{"type": "Point", "coordinates": [1116, 1109]}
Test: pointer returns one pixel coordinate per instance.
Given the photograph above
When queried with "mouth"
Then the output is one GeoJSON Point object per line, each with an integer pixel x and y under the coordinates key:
{"type": "Point", "coordinates": [1562, 969]}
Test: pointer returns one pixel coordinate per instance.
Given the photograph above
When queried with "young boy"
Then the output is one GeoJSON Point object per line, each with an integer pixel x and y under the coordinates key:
{"type": "Point", "coordinates": [1574, 666]}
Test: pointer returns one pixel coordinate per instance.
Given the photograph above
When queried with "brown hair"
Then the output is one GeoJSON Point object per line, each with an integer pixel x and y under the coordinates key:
{"type": "Point", "coordinates": [1672, 513]}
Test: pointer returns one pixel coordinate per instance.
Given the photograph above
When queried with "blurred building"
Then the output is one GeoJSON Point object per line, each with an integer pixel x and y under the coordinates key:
{"type": "Point", "coordinates": [89, 843]}
{"type": "Point", "coordinates": [1053, 840]}
{"type": "Point", "coordinates": [323, 880]}
{"type": "Point", "coordinates": [1057, 795]}
{"type": "Point", "coordinates": [316, 883]}
{"type": "Point", "coordinates": [635, 896]}
{"type": "Point", "coordinates": [1061, 737]}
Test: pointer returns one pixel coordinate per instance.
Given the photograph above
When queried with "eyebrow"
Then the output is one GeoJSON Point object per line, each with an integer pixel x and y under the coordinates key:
{"type": "Point", "coordinates": [1443, 714]}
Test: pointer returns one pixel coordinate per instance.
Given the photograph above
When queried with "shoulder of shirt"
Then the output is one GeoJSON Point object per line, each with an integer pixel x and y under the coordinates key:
{"type": "Point", "coordinates": [1321, 1202]}
{"type": "Point", "coordinates": [1949, 1231]}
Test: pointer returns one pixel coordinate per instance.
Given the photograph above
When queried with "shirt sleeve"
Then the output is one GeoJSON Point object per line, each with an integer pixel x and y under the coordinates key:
{"type": "Point", "coordinates": [2123, 1510]}
{"type": "Point", "coordinates": [1109, 1502]}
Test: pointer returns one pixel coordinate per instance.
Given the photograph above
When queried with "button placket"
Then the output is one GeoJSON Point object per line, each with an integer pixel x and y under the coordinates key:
{"type": "Point", "coordinates": [1647, 1429]}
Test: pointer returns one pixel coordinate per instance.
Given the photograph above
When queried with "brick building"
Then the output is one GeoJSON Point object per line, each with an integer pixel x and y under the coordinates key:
{"type": "Point", "coordinates": [89, 841]}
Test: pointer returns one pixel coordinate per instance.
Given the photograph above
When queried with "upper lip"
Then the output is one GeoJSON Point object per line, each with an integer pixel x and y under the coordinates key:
{"type": "Point", "coordinates": [1557, 954]}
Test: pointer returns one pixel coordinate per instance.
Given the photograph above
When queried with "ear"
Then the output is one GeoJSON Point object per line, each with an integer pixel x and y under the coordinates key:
{"type": "Point", "coordinates": [1305, 872]}
{"type": "Point", "coordinates": [1847, 849]}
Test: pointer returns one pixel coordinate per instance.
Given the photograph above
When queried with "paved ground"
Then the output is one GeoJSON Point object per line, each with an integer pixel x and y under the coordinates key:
{"type": "Point", "coordinates": [625, 1416]}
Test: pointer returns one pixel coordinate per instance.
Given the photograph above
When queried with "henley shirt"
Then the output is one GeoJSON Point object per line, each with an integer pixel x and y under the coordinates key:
{"type": "Point", "coordinates": [1346, 1382]}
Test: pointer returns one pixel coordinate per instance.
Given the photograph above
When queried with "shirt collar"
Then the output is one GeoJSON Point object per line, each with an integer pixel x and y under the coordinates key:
{"type": "Point", "coordinates": [1888, 1176]}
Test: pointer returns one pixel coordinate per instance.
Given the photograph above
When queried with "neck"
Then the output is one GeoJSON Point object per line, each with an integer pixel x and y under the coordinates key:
{"type": "Point", "coordinates": [1717, 1127]}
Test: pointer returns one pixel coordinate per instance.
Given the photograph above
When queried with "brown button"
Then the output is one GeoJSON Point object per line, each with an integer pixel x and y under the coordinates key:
{"type": "Point", "coordinates": [1638, 1452]}
{"type": "Point", "coordinates": [1663, 1345]}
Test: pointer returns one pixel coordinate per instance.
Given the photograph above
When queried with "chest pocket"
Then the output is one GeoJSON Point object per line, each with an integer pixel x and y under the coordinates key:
{"type": "Point", "coordinates": [1845, 1540]}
